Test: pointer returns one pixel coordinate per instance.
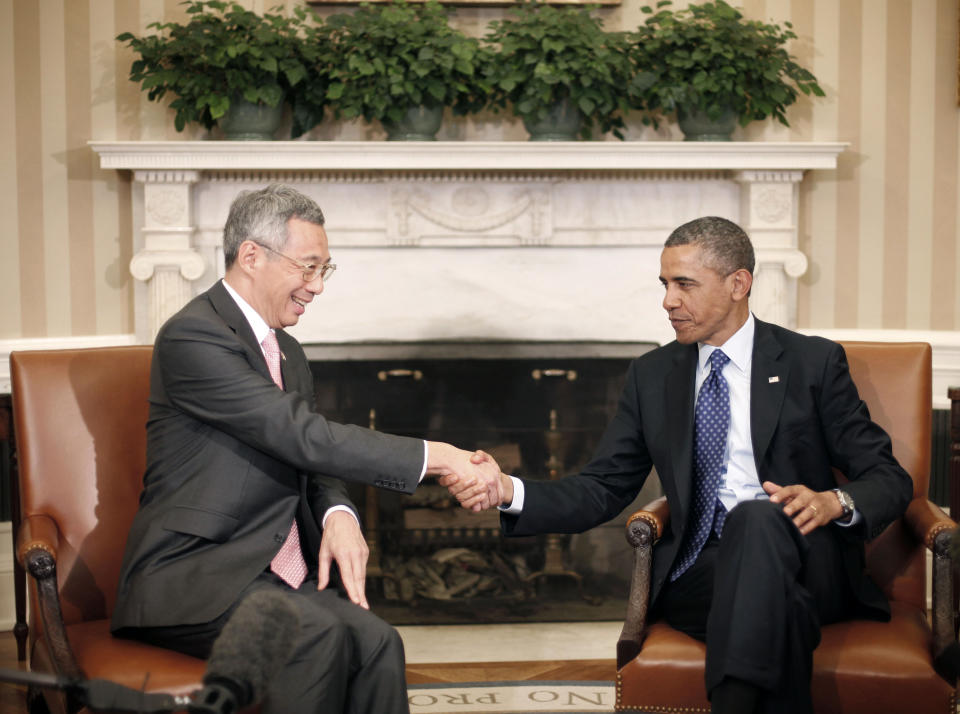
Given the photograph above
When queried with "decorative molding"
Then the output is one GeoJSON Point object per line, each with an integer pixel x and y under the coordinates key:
{"type": "Point", "coordinates": [53, 343]}
{"type": "Point", "coordinates": [537, 217]}
{"type": "Point", "coordinates": [340, 156]}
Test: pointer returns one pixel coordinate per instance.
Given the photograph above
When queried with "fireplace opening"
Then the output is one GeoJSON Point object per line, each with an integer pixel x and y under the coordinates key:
{"type": "Point", "coordinates": [540, 409]}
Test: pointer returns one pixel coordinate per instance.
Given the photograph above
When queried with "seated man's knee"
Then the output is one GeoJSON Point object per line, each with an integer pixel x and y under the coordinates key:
{"type": "Point", "coordinates": [758, 513]}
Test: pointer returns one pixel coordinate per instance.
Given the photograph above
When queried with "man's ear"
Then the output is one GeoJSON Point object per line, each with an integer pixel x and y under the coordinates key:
{"type": "Point", "coordinates": [248, 256]}
{"type": "Point", "coordinates": [742, 282]}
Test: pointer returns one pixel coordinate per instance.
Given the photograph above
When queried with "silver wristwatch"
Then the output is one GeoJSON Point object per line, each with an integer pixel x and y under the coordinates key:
{"type": "Point", "coordinates": [846, 503]}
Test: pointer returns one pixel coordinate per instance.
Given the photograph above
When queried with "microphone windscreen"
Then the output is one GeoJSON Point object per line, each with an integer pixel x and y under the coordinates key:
{"type": "Point", "coordinates": [255, 643]}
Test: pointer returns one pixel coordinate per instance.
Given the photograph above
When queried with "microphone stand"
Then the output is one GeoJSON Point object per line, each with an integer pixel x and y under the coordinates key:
{"type": "Point", "coordinates": [100, 695]}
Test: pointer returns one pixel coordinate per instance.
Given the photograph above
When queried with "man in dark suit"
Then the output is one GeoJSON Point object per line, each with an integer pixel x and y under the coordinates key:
{"type": "Point", "coordinates": [243, 489]}
{"type": "Point", "coordinates": [744, 422]}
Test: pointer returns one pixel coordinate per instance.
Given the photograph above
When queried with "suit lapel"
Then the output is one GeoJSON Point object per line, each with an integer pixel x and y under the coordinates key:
{"type": "Point", "coordinates": [231, 314]}
{"type": "Point", "coordinates": [679, 411]}
{"type": "Point", "coordinates": [768, 386]}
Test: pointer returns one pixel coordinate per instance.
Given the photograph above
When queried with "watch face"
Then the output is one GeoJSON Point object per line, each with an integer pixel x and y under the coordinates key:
{"type": "Point", "coordinates": [846, 502]}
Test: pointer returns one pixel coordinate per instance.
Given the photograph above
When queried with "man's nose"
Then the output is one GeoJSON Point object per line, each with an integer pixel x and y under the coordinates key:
{"type": "Point", "coordinates": [670, 300]}
{"type": "Point", "coordinates": [315, 286]}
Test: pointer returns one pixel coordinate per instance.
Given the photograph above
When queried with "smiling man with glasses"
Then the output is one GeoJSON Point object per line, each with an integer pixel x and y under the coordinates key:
{"type": "Point", "coordinates": [244, 483]}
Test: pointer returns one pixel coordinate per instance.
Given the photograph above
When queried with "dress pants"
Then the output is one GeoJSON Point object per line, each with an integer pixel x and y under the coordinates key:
{"type": "Point", "coordinates": [757, 597]}
{"type": "Point", "coordinates": [344, 658]}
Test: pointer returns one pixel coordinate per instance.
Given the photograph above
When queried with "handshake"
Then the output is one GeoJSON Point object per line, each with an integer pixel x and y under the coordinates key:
{"type": "Point", "coordinates": [473, 478]}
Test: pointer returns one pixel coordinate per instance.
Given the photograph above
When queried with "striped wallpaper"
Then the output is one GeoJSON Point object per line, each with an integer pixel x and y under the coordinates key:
{"type": "Point", "coordinates": [881, 232]}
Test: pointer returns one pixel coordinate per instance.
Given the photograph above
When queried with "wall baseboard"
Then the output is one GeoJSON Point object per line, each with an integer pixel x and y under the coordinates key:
{"type": "Point", "coordinates": [946, 351]}
{"type": "Point", "coordinates": [54, 343]}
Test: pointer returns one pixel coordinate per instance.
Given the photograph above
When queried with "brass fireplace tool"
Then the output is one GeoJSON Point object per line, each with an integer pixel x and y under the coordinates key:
{"type": "Point", "coordinates": [553, 550]}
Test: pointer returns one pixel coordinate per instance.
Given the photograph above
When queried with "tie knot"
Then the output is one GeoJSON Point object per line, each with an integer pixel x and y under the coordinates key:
{"type": "Point", "coordinates": [717, 360]}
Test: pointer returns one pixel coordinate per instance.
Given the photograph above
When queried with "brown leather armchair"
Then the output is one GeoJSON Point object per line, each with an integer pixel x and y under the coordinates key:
{"type": "Point", "coordinates": [80, 425]}
{"type": "Point", "coordinates": [860, 666]}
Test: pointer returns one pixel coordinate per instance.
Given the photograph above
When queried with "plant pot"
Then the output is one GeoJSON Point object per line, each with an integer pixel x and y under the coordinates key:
{"type": "Point", "coordinates": [417, 124]}
{"type": "Point", "coordinates": [562, 123]}
{"type": "Point", "coordinates": [246, 121]}
{"type": "Point", "coordinates": [697, 126]}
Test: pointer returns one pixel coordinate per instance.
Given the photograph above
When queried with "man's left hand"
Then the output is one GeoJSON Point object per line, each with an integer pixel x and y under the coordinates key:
{"type": "Point", "coordinates": [808, 509]}
{"type": "Point", "coordinates": [343, 542]}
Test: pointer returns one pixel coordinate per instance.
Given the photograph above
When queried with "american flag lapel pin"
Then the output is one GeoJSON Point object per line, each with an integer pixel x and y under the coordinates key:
{"type": "Point", "coordinates": [773, 380]}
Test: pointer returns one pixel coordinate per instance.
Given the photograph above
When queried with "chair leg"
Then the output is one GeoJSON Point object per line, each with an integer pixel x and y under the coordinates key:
{"type": "Point", "coordinates": [36, 704]}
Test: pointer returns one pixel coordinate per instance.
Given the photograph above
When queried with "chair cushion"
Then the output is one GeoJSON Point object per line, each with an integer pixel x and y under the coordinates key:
{"type": "Point", "coordinates": [860, 666]}
{"type": "Point", "coordinates": [127, 662]}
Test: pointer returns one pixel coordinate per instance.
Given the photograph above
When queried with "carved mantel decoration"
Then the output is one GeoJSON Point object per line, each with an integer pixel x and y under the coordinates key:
{"type": "Point", "coordinates": [473, 240]}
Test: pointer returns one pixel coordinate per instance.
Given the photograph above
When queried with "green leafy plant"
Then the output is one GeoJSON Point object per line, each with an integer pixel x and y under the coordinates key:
{"type": "Point", "coordinates": [548, 54]}
{"type": "Point", "coordinates": [708, 58]}
{"type": "Point", "coordinates": [385, 59]}
{"type": "Point", "coordinates": [224, 52]}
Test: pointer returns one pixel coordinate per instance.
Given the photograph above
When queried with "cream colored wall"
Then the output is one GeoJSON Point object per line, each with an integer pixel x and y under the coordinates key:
{"type": "Point", "coordinates": [881, 232]}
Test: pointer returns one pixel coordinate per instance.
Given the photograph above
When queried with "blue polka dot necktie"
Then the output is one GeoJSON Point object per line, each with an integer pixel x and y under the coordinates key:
{"type": "Point", "coordinates": [711, 424]}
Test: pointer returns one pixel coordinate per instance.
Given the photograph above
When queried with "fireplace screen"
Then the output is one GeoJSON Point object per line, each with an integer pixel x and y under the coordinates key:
{"type": "Point", "coordinates": [539, 409]}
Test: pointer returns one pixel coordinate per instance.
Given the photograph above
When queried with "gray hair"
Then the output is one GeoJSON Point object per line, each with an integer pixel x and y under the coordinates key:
{"type": "Point", "coordinates": [726, 248]}
{"type": "Point", "coordinates": [261, 216]}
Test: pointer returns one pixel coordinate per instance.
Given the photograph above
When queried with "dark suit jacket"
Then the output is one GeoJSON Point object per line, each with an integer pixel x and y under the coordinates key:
{"type": "Point", "coordinates": [807, 421]}
{"type": "Point", "coordinates": [231, 459]}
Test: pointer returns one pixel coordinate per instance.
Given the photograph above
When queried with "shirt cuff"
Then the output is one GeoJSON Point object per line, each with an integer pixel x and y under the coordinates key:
{"type": "Point", "coordinates": [330, 510]}
{"type": "Point", "coordinates": [852, 522]}
{"type": "Point", "coordinates": [516, 506]}
{"type": "Point", "coordinates": [426, 458]}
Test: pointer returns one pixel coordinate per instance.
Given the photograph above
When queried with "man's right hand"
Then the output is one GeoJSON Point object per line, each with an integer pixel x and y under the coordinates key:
{"type": "Point", "coordinates": [474, 481]}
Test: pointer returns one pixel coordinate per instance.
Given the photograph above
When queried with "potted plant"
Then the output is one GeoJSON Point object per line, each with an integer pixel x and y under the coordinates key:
{"type": "Point", "coordinates": [401, 64]}
{"type": "Point", "coordinates": [559, 63]}
{"type": "Point", "coordinates": [709, 64]}
{"type": "Point", "coordinates": [229, 65]}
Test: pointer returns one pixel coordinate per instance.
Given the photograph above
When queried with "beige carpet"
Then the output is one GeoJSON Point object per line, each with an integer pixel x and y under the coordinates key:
{"type": "Point", "coordinates": [511, 697]}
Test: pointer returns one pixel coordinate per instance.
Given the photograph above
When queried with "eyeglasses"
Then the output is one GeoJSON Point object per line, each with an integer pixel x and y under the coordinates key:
{"type": "Point", "coordinates": [310, 270]}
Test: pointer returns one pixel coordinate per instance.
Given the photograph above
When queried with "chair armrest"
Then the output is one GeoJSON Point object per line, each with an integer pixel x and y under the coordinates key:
{"type": "Point", "coordinates": [38, 541]}
{"type": "Point", "coordinates": [644, 528]}
{"type": "Point", "coordinates": [932, 527]}
{"type": "Point", "coordinates": [37, 532]}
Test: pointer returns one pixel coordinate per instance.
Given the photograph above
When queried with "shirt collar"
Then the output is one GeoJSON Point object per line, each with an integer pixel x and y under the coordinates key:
{"type": "Point", "coordinates": [739, 348]}
{"type": "Point", "coordinates": [259, 326]}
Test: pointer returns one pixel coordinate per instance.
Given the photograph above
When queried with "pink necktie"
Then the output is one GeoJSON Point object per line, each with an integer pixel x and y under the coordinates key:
{"type": "Point", "coordinates": [288, 563]}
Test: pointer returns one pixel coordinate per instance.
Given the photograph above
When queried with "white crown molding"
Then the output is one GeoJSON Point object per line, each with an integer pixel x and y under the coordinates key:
{"type": "Point", "coordinates": [53, 343]}
{"type": "Point", "coordinates": [946, 352]}
{"type": "Point", "coordinates": [465, 155]}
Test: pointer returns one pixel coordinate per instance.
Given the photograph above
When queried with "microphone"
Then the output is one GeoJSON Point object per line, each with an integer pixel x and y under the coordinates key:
{"type": "Point", "coordinates": [252, 648]}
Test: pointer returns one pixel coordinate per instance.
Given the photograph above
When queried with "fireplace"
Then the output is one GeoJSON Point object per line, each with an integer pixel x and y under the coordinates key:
{"type": "Point", "coordinates": [459, 262]}
{"type": "Point", "coordinates": [540, 408]}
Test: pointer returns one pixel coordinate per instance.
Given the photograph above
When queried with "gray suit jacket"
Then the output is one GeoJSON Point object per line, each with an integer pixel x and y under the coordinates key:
{"type": "Point", "coordinates": [806, 418]}
{"type": "Point", "coordinates": [231, 459]}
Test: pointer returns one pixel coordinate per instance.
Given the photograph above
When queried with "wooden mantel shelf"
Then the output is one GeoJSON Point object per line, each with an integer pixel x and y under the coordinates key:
{"type": "Point", "coordinates": [466, 155]}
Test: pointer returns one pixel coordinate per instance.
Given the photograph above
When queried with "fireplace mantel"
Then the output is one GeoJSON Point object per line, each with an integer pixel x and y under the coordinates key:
{"type": "Point", "coordinates": [473, 240]}
{"type": "Point", "coordinates": [465, 155]}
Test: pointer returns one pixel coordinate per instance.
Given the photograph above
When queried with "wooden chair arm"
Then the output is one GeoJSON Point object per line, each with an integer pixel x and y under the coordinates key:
{"type": "Point", "coordinates": [932, 527]}
{"type": "Point", "coordinates": [644, 528]}
{"type": "Point", "coordinates": [38, 540]}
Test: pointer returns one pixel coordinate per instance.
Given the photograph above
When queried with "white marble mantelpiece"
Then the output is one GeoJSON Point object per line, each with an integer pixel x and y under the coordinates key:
{"type": "Point", "coordinates": [468, 240]}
